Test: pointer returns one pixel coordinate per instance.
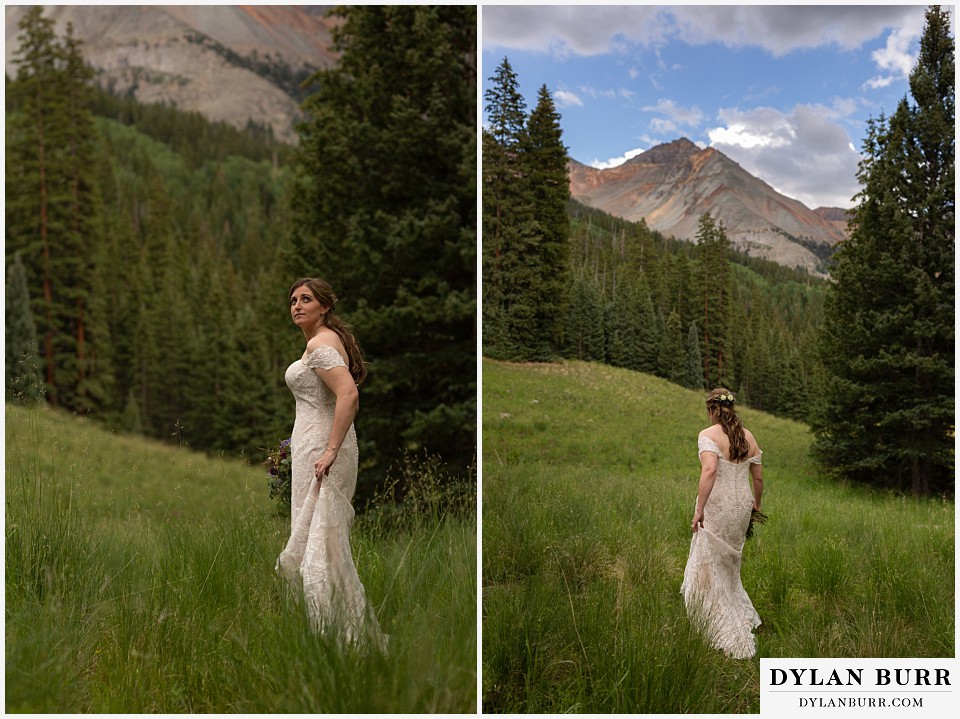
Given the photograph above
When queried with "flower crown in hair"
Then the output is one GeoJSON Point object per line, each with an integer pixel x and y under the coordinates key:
{"type": "Point", "coordinates": [723, 398]}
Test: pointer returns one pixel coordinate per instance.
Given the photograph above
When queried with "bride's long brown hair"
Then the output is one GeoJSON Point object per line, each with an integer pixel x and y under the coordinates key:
{"type": "Point", "coordinates": [720, 407]}
{"type": "Point", "coordinates": [323, 293]}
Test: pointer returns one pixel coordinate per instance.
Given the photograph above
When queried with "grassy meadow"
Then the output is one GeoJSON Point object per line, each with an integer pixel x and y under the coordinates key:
{"type": "Point", "coordinates": [589, 481]}
{"type": "Point", "coordinates": [140, 578]}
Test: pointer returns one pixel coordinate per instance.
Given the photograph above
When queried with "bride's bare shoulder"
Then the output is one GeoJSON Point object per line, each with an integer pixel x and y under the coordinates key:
{"type": "Point", "coordinates": [325, 336]}
{"type": "Point", "coordinates": [714, 432]}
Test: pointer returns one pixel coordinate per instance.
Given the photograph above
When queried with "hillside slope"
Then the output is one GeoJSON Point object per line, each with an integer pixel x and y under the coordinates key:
{"type": "Point", "coordinates": [590, 475]}
{"type": "Point", "coordinates": [139, 578]}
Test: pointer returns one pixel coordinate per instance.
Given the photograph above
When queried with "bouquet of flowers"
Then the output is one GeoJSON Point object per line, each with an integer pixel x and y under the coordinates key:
{"type": "Point", "coordinates": [279, 475]}
{"type": "Point", "coordinates": [756, 517]}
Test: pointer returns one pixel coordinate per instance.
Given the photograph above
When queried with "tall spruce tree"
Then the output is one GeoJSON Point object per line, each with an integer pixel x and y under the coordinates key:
{"type": "Point", "coordinates": [585, 332]}
{"type": "Point", "coordinates": [647, 335]}
{"type": "Point", "coordinates": [504, 211]}
{"type": "Point", "coordinates": [713, 250]}
{"type": "Point", "coordinates": [693, 375]}
{"type": "Point", "coordinates": [548, 182]}
{"type": "Point", "coordinates": [526, 227]}
{"type": "Point", "coordinates": [887, 341]}
{"type": "Point", "coordinates": [24, 382]}
{"type": "Point", "coordinates": [386, 212]}
{"type": "Point", "coordinates": [54, 209]}
{"type": "Point", "coordinates": [673, 354]}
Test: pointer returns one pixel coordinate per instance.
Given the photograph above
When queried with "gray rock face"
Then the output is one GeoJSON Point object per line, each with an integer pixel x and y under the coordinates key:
{"type": "Point", "coordinates": [180, 54]}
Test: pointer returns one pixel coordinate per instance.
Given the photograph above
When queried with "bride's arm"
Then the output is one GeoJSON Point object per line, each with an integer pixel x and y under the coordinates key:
{"type": "Point", "coordinates": [756, 473]}
{"type": "Point", "coordinates": [708, 475]}
{"type": "Point", "coordinates": [341, 383]}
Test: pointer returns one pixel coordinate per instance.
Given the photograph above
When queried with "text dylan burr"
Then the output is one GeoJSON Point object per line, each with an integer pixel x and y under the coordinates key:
{"type": "Point", "coordinates": [854, 677]}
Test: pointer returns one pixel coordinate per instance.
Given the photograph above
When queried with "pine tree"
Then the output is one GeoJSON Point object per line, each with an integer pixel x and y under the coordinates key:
{"type": "Point", "coordinates": [585, 332]}
{"type": "Point", "coordinates": [648, 334]}
{"type": "Point", "coordinates": [887, 341]}
{"type": "Point", "coordinates": [84, 232]}
{"type": "Point", "coordinates": [620, 330]}
{"type": "Point", "coordinates": [504, 211]}
{"type": "Point", "coordinates": [30, 176]}
{"type": "Point", "coordinates": [693, 373]}
{"type": "Point", "coordinates": [715, 307]}
{"type": "Point", "coordinates": [526, 227]}
{"type": "Point", "coordinates": [24, 382]}
{"type": "Point", "coordinates": [506, 113]}
{"type": "Point", "coordinates": [54, 209]}
{"type": "Point", "coordinates": [545, 174]}
{"type": "Point", "coordinates": [673, 353]}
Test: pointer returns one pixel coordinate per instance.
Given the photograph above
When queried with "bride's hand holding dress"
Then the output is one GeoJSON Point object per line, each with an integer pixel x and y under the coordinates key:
{"type": "Point", "coordinates": [339, 381]}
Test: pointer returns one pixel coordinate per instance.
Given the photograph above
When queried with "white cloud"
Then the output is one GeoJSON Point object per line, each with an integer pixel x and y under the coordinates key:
{"type": "Point", "coordinates": [778, 29]}
{"type": "Point", "coordinates": [678, 115]}
{"type": "Point", "coordinates": [607, 94]}
{"type": "Point", "coordinates": [596, 29]}
{"type": "Point", "coordinates": [595, 93]}
{"type": "Point", "coordinates": [741, 136]}
{"type": "Point", "coordinates": [895, 57]}
{"type": "Point", "coordinates": [615, 161]}
{"type": "Point", "coordinates": [803, 153]}
{"type": "Point", "coordinates": [567, 99]}
{"type": "Point", "coordinates": [877, 83]}
{"type": "Point", "coordinates": [662, 126]}
{"type": "Point", "coordinates": [566, 29]}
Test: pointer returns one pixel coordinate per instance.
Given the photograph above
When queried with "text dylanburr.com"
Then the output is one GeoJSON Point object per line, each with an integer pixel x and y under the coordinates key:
{"type": "Point", "coordinates": [858, 687]}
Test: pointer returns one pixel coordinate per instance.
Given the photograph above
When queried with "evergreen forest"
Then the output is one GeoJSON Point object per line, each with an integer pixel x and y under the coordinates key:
{"type": "Point", "coordinates": [865, 357]}
{"type": "Point", "coordinates": [149, 252]}
{"type": "Point", "coordinates": [562, 280]}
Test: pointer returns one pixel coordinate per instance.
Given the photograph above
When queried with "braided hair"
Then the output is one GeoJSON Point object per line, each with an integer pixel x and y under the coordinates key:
{"type": "Point", "coordinates": [720, 406]}
{"type": "Point", "coordinates": [324, 295]}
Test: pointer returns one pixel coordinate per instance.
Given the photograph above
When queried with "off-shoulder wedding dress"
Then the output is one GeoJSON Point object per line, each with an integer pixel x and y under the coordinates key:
{"type": "Point", "coordinates": [712, 591]}
{"type": "Point", "coordinates": [317, 560]}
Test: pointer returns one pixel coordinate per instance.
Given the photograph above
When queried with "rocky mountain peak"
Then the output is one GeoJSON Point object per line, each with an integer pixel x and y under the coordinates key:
{"type": "Point", "coordinates": [668, 152]}
{"type": "Point", "coordinates": [671, 185]}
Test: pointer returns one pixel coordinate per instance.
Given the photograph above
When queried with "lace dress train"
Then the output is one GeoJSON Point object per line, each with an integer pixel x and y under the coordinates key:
{"type": "Point", "coordinates": [317, 560]}
{"type": "Point", "coordinates": [714, 596]}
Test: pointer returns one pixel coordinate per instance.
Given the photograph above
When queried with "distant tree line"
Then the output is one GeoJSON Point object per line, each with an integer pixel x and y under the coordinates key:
{"type": "Point", "coordinates": [156, 265]}
{"type": "Point", "coordinates": [189, 134]}
{"type": "Point", "coordinates": [697, 314]}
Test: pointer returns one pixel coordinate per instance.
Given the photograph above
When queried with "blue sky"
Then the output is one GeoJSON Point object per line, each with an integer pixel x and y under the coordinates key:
{"type": "Point", "coordinates": [783, 90]}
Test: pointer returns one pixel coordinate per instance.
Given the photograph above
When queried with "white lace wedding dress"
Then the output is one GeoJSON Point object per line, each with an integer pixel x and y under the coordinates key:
{"type": "Point", "coordinates": [712, 591]}
{"type": "Point", "coordinates": [317, 560]}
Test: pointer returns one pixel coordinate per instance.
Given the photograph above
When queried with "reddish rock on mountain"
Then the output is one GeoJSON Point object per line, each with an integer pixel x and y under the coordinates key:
{"type": "Point", "coordinates": [671, 185]}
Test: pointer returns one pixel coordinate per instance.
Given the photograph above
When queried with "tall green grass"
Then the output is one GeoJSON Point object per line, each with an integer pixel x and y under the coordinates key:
{"type": "Point", "coordinates": [139, 578]}
{"type": "Point", "coordinates": [589, 481]}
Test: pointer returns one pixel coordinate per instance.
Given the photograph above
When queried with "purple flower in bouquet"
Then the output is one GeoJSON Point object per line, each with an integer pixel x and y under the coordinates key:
{"type": "Point", "coordinates": [279, 474]}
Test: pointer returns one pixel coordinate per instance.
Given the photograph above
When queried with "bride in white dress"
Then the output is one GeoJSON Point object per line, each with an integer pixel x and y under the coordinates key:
{"type": "Point", "coordinates": [731, 486]}
{"type": "Point", "coordinates": [317, 560]}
